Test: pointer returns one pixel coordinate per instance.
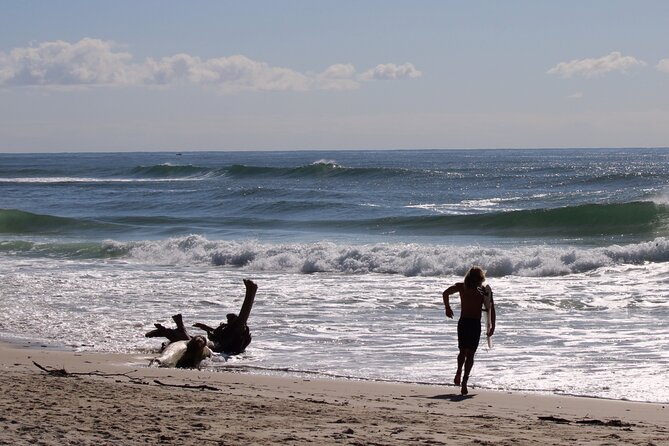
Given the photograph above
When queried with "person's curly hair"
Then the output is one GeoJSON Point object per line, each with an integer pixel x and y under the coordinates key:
{"type": "Point", "coordinates": [475, 277]}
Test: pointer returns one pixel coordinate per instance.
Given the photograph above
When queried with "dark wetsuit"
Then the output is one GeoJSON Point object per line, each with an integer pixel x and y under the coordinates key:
{"type": "Point", "coordinates": [469, 333]}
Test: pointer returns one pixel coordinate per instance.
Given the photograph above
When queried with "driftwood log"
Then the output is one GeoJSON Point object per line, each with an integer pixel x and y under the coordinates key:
{"type": "Point", "coordinates": [230, 337]}
{"type": "Point", "coordinates": [172, 334]}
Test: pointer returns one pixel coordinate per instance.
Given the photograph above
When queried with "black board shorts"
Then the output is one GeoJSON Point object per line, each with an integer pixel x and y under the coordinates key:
{"type": "Point", "coordinates": [469, 333]}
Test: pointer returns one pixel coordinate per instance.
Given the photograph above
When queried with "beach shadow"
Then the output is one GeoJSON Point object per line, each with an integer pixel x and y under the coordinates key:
{"type": "Point", "coordinates": [453, 397]}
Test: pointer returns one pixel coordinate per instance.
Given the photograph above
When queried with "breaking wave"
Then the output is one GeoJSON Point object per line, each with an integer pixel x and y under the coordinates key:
{"type": "Point", "coordinates": [382, 258]}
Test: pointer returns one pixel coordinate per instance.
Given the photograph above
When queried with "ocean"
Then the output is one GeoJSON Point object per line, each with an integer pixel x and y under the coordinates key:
{"type": "Point", "coordinates": [351, 251]}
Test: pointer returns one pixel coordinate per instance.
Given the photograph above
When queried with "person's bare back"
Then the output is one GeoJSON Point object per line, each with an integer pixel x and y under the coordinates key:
{"type": "Point", "coordinates": [471, 302]}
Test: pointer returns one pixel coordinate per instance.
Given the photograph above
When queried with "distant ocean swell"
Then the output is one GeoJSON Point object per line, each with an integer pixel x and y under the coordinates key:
{"type": "Point", "coordinates": [14, 221]}
{"type": "Point", "coordinates": [635, 219]}
{"type": "Point", "coordinates": [329, 257]}
{"type": "Point", "coordinates": [322, 168]}
{"type": "Point", "coordinates": [327, 168]}
{"type": "Point", "coordinates": [316, 169]}
{"type": "Point", "coordinates": [582, 220]}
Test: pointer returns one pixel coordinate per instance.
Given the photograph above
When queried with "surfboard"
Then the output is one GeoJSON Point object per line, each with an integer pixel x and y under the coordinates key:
{"type": "Point", "coordinates": [487, 306]}
{"type": "Point", "coordinates": [173, 353]}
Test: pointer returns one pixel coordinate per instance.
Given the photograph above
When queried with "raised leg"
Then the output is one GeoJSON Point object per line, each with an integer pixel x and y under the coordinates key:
{"type": "Point", "coordinates": [249, 297]}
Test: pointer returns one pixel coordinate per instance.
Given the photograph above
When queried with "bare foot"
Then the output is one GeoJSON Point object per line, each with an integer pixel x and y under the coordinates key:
{"type": "Point", "coordinates": [456, 380]}
{"type": "Point", "coordinates": [464, 390]}
{"type": "Point", "coordinates": [250, 285]}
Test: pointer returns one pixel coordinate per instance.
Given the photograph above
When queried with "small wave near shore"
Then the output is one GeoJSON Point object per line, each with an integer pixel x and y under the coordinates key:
{"type": "Point", "coordinates": [405, 259]}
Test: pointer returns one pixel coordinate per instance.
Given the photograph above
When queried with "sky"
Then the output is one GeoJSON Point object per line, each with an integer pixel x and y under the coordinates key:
{"type": "Point", "coordinates": [150, 75]}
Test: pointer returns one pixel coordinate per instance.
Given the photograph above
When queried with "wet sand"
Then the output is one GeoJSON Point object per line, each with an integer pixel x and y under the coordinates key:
{"type": "Point", "coordinates": [103, 399]}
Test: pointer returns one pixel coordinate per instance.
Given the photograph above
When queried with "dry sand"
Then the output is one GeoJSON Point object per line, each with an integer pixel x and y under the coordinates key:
{"type": "Point", "coordinates": [115, 399]}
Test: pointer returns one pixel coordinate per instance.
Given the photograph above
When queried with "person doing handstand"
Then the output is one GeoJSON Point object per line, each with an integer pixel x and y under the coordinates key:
{"type": "Point", "coordinates": [472, 295]}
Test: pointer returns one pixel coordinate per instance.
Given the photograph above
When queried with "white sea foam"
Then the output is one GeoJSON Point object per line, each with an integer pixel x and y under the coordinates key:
{"type": "Point", "coordinates": [661, 198]}
{"type": "Point", "coordinates": [390, 258]}
{"type": "Point", "coordinates": [57, 180]}
{"type": "Point", "coordinates": [585, 334]}
{"type": "Point", "coordinates": [329, 162]}
{"type": "Point", "coordinates": [580, 316]}
{"type": "Point", "coordinates": [466, 207]}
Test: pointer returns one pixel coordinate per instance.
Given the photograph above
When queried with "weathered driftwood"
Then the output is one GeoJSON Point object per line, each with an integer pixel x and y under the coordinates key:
{"type": "Point", "coordinates": [172, 334]}
{"type": "Point", "coordinates": [65, 373]}
{"type": "Point", "coordinates": [230, 337]}
{"type": "Point", "coordinates": [187, 386]}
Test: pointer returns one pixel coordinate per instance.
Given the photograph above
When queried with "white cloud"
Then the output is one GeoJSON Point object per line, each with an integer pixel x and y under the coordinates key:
{"type": "Point", "coordinates": [663, 66]}
{"type": "Point", "coordinates": [576, 95]}
{"type": "Point", "coordinates": [232, 73]}
{"type": "Point", "coordinates": [94, 62]}
{"type": "Point", "coordinates": [391, 71]}
{"type": "Point", "coordinates": [337, 77]}
{"type": "Point", "coordinates": [87, 62]}
{"type": "Point", "coordinates": [339, 71]}
{"type": "Point", "coordinates": [614, 61]}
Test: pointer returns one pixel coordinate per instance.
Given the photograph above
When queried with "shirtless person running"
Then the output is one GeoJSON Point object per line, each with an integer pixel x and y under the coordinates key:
{"type": "Point", "coordinates": [472, 294]}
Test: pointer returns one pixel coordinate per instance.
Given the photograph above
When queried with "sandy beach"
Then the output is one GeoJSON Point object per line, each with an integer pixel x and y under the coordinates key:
{"type": "Point", "coordinates": [86, 399]}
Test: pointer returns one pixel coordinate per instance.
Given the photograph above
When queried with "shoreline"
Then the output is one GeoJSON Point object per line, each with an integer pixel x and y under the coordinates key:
{"type": "Point", "coordinates": [137, 357]}
{"type": "Point", "coordinates": [103, 398]}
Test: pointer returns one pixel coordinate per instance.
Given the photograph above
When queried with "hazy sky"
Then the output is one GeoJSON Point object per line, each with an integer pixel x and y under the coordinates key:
{"type": "Point", "coordinates": [320, 74]}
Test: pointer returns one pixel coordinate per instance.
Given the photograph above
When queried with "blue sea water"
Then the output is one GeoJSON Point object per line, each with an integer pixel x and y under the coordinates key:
{"type": "Point", "coordinates": [351, 250]}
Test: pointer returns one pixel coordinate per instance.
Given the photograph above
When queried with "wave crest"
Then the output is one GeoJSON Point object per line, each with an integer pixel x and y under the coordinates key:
{"type": "Point", "coordinates": [170, 171]}
{"type": "Point", "coordinates": [400, 258]}
{"type": "Point", "coordinates": [321, 168]}
{"type": "Point", "coordinates": [381, 258]}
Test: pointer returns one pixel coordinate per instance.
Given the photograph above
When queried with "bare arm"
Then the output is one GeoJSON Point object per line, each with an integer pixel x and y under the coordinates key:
{"type": "Point", "coordinates": [447, 292]}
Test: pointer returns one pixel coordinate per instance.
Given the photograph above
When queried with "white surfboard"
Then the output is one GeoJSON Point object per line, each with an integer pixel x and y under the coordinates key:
{"type": "Point", "coordinates": [171, 355]}
{"type": "Point", "coordinates": [487, 306]}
